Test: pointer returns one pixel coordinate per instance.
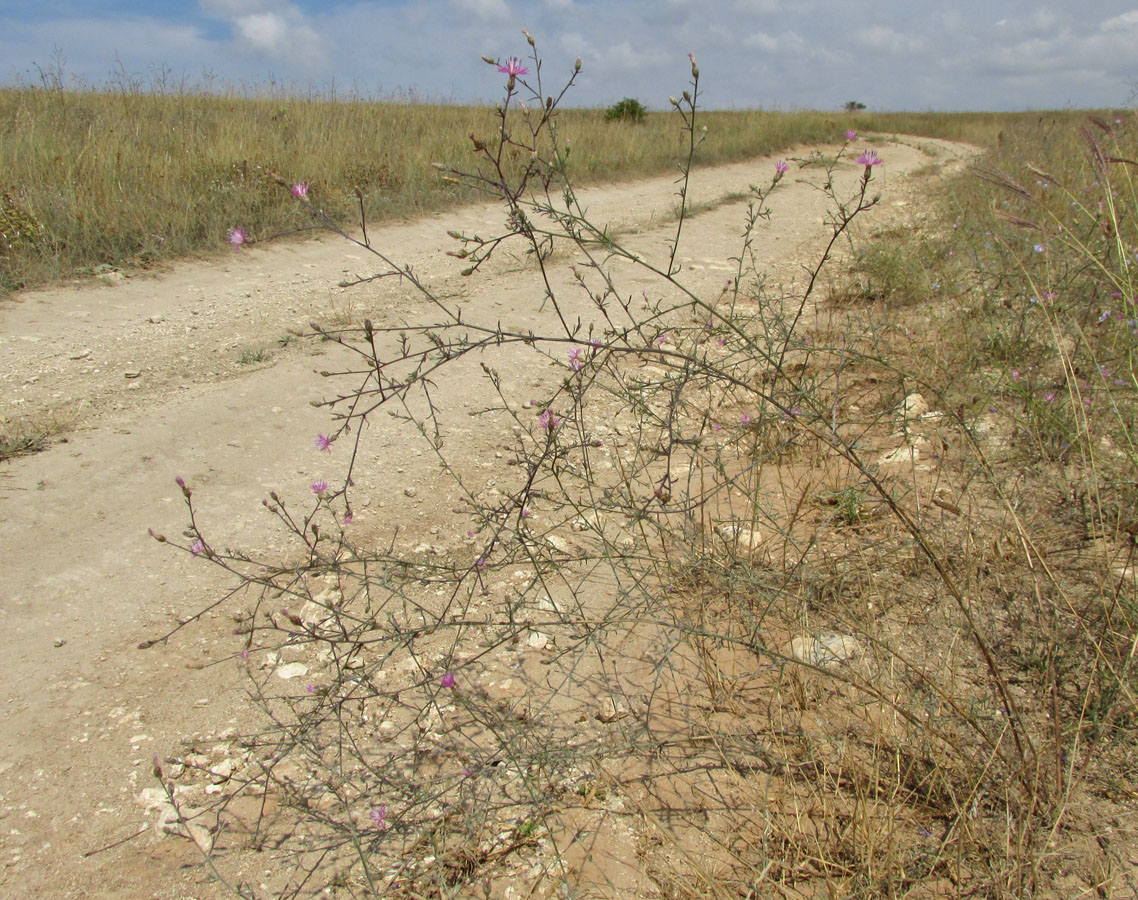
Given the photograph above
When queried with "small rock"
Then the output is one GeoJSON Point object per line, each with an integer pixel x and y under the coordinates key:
{"type": "Point", "coordinates": [132, 373]}
{"type": "Point", "coordinates": [611, 710]}
{"type": "Point", "coordinates": [913, 407]}
{"type": "Point", "coordinates": [223, 771]}
{"type": "Point", "coordinates": [292, 670]}
{"type": "Point", "coordinates": [906, 455]}
{"type": "Point", "coordinates": [538, 640]}
{"type": "Point", "coordinates": [745, 537]}
{"type": "Point", "coordinates": [829, 650]}
{"type": "Point", "coordinates": [82, 355]}
{"type": "Point", "coordinates": [155, 320]}
{"type": "Point", "coordinates": [59, 642]}
{"type": "Point", "coordinates": [410, 491]}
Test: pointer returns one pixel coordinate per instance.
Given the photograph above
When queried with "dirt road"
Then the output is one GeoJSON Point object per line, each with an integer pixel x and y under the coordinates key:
{"type": "Point", "coordinates": [193, 373]}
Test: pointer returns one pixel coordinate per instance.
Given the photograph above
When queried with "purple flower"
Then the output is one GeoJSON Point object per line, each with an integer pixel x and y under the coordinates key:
{"type": "Point", "coordinates": [548, 421]}
{"type": "Point", "coordinates": [378, 815]}
{"type": "Point", "coordinates": [851, 135]}
{"type": "Point", "coordinates": [480, 563]}
{"type": "Point", "coordinates": [1105, 315]}
{"type": "Point", "coordinates": [1015, 374]}
{"type": "Point", "coordinates": [781, 168]}
{"type": "Point", "coordinates": [575, 361]}
{"type": "Point", "coordinates": [319, 486]}
{"type": "Point", "coordinates": [197, 548]}
{"type": "Point", "coordinates": [348, 519]}
{"type": "Point", "coordinates": [869, 158]}
{"type": "Point", "coordinates": [237, 237]}
{"type": "Point", "coordinates": [447, 680]}
{"type": "Point", "coordinates": [513, 67]}
{"type": "Point", "coordinates": [662, 339]}
{"type": "Point", "coordinates": [746, 419]}
{"type": "Point", "coordinates": [323, 443]}
{"type": "Point", "coordinates": [299, 190]}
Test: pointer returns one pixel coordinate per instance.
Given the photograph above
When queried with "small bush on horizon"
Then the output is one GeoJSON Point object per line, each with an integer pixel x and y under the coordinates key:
{"type": "Point", "coordinates": [627, 110]}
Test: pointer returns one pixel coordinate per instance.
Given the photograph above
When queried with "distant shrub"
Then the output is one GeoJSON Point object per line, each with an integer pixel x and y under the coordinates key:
{"type": "Point", "coordinates": [627, 109]}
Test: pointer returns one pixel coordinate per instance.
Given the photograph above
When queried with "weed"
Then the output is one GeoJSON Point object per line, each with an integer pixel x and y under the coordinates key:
{"type": "Point", "coordinates": [782, 699]}
{"type": "Point", "coordinates": [253, 356]}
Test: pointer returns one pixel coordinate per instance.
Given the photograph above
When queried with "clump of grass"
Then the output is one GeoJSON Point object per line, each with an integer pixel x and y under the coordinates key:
{"type": "Point", "coordinates": [21, 436]}
{"type": "Point", "coordinates": [253, 356]}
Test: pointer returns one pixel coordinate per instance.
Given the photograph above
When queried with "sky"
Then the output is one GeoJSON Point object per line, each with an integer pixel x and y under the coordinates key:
{"type": "Point", "coordinates": [773, 54]}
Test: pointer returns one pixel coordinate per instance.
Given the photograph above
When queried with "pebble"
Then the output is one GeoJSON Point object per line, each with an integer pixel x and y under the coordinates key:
{"type": "Point", "coordinates": [410, 491]}
{"type": "Point", "coordinates": [538, 640]}
{"type": "Point", "coordinates": [829, 650]}
{"type": "Point", "coordinates": [292, 670]}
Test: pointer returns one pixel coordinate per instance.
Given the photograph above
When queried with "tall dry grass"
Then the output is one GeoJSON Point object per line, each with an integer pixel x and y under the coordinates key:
{"type": "Point", "coordinates": [130, 177]}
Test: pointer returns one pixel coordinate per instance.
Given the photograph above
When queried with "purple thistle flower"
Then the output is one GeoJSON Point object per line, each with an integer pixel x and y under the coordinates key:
{"type": "Point", "coordinates": [851, 135]}
{"type": "Point", "coordinates": [513, 67]}
{"type": "Point", "coordinates": [299, 190]}
{"type": "Point", "coordinates": [781, 168]}
{"type": "Point", "coordinates": [348, 519]}
{"type": "Point", "coordinates": [746, 419]}
{"type": "Point", "coordinates": [869, 158]}
{"type": "Point", "coordinates": [575, 361]}
{"type": "Point", "coordinates": [548, 421]}
{"type": "Point", "coordinates": [447, 680]}
{"type": "Point", "coordinates": [662, 339]}
{"type": "Point", "coordinates": [319, 486]}
{"type": "Point", "coordinates": [378, 815]}
{"type": "Point", "coordinates": [323, 443]}
{"type": "Point", "coordinates": [197, 548]}
{"type": "Point", "coordinates": [237, 237]}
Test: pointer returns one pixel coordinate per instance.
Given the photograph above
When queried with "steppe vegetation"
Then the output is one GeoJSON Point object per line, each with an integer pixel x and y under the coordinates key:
{"type": "Point", "coordinates": [127, 176]}
{"type": "Point", "coordinates": [843, 571]}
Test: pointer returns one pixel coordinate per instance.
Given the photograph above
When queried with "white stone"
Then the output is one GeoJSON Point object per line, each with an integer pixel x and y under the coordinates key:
{"type": "Point", "coordinates": [829, 650]}
{"type": "Point", "coordinates": [292, 670]}
{"type": "Point", "coordinates": [538, 640]}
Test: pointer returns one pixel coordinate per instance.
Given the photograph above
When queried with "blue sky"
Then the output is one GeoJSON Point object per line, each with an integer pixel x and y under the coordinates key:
{"type": "Point", "coordinates": [888, 54]}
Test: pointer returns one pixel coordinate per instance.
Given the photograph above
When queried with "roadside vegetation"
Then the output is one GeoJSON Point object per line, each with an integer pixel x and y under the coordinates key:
{"type": "Point", "coordinates": [131, 176]}
{"type": "Point", "coordinates": [832, 587]}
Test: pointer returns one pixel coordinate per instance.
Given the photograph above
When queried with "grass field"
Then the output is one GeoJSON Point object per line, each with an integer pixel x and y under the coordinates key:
{"type": "Point", "coordinates": [128, 179]}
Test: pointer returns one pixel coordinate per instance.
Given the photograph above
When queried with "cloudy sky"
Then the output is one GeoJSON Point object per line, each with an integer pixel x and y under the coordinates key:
{"type": "Point", "coordinates": [888, 54]}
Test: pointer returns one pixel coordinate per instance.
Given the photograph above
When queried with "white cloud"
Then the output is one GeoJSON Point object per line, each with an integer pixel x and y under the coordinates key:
{"type": "Point", "coordinates": [276, 29]}
{"type": "Point", "coordinates": [1127, 21]}
{"type": "Point", "coordinates": [787, 42]}
{"type": "Point", "coordinates": [883, 39]}
{"type": "Point", "coordinates": [486, 10]}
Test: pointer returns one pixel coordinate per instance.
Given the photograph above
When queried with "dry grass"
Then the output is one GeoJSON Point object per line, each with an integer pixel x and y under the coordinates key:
{"type": "Point", "coordinates": [128, 178]}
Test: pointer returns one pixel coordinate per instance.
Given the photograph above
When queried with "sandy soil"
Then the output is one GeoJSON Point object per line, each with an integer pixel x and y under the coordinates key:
{"type": "Point", "coordinates": [153, 377]}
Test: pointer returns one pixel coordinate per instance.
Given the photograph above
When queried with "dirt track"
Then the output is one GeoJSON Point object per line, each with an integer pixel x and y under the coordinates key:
{"type": "Point", "coordinates": [147, 375]}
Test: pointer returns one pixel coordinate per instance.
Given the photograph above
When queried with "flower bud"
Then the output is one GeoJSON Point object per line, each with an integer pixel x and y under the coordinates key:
{"type": "Point", "coordinates": [577, 65]}
{"type": "Point", "coordinates": [487, 59]}
{"type": "Point", "coordinates": [529, 37]}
